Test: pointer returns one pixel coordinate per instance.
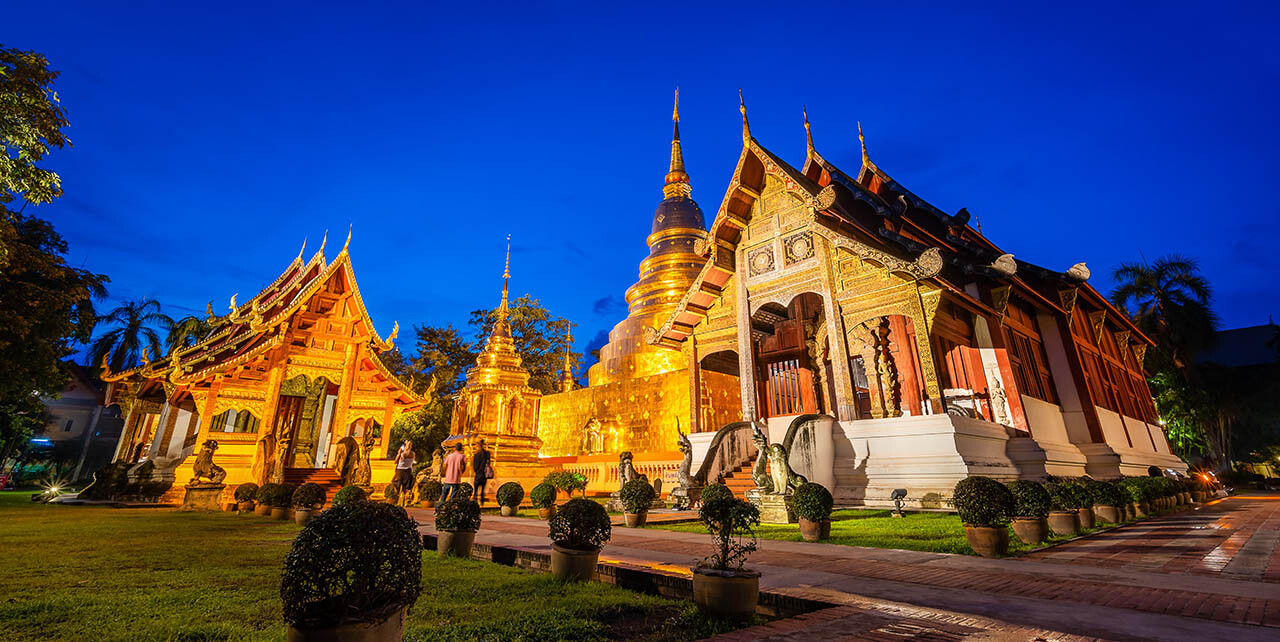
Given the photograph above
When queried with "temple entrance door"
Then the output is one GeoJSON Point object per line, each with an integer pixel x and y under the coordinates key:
{"type": "Point", "coordinates": [792, 368]}
{"type": "Point", "coordinates": [288, 415]}
{"type": "Point", "coordinates": [326, 431]}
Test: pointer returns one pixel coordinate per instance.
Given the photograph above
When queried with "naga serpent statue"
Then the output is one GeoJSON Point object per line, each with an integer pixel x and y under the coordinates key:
{"type": "Point", "coordinates": [772, 471]}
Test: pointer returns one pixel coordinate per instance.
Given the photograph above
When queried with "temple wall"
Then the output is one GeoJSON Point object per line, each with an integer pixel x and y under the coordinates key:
{"type": "Point", "coordinates": [1051, 436]}
{"type": "Point", "coordinates": [1135, 459]}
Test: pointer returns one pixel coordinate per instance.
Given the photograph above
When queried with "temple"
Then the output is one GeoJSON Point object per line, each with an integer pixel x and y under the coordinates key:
{"type": "Point", "coordinates": [289, 384]}
{"type": "Point", "coordinates": [888, 344]}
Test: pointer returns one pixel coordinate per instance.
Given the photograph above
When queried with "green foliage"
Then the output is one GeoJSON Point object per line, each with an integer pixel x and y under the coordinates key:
{"type": "Point", "coordinates": [580, 524]}
{"type": "Point", "coordinates": [349, 495]}
{"type": "Point", "coordinates": [543, 495]}
{"type": "Point", "coordinates": [730, 521]}
{"type": "Point", "coordinates": [429, 489]}
{"type": "Point", "coordinates": [282, 495]}
{"type": "Point", "coordinates": [187, 331]}
{"type": "Point", "coordinates": [458, 515]}
{"type": "Point", "coordinates": [1106, 493]}
{"type": "Point", "coordinates": [1170, 300]}
{"type": "Point", "coordinates": [566, 481]}
{"type": "Point", "coordinates": [309, 495]}
{"type": "Point", "coordinates": [465, 491]}
{"type": "Point", "coordinates": [265, 492]}
{"type": "Point", "coordinates": [427, 427]}
{"type": "Point", "coordinates": [353, 563]}
{"type": "Point", "coordinates": [982, 501]}
{"type": "Point", "coordinates": [637, 495]}
{"type": "Point", "coordinates": [813, 502]}
{"type": "Point", "coordinates": [510, 494]}
{"type": "Point", "coordinates": [1030, 499]}
{"type": "Point", "coordinates": [135, 328]}
{"type": "Point", "coordinates": [246, 492]}
{"type": "Point", "coordinates": [1136, 489]}
{"type": "Point", "coordinates": [712, 492]}
{"type": "Point", "coordinates": [1066, 495]}
{"type": "Point", "coordinates": [540, 338]}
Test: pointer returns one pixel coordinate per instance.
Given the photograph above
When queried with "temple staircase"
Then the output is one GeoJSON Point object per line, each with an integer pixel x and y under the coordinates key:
{"type": "Point", "coordinates": [739, 478]}
{"type": "Point", "coordinates": [326, 477]}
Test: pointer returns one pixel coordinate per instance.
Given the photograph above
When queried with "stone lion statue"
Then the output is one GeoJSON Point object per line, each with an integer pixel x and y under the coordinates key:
{"type": "Point", "coordinates": [205, 469]}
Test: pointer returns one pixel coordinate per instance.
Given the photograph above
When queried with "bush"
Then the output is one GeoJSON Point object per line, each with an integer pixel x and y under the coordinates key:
{"type": "Point", "coordinates": [1134, 489]}
{"type": "Point", "coordinates": [813, 502]}
{"type": "Point", "coordinates": [510, 494]}
{"type": "Point", "coordinates": [283, 497]}
{"type": "Point", "coordinates": [429, 489]}
{"type": "Point", "coordinates": [730, 521]}
{"type": "Point", "coordinates": [982, 501]}
{"type": "Point", "coordinates": [712, 492]}
{"type": "Point", "coordinates": [349, 495]}
{"type": "Point", "coordinates": [1105, 493]}
{"type": "Point", "coordinates": [246, 492]}
{"type": "Point", "coordinates": [358, 562]}
{"type": "Point", "coordinates": [458, 515]}
{"type": "Point", "coordinates": [566, 481]}
{"type": "Point", "coordinates": [636, 495]}
{"type": "Point", "coordinates": [1067, 496]}
{"type": "Point", "coordinates": [265, 491]}
{"type": "Point", "coordinates": [543, 496]}
{"type": "Point", "coordinates": [465, 491]}
{"type": "Point", "coordinates": [581, 524]}
{"type": "Point", "coordinates": [1030, 499]}
{"type": "Point", "coordinates": [309, 495]}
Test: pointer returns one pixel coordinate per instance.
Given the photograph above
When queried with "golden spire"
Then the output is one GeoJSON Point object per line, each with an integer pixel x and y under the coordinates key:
{"type": "Point", "coordinates": [566, 376]}
{"type": "Point", "coordinates": [862, 140]}
{"type": "Point", "coordinates": [501, 324]}
{"type": "Point", "coordinates": [677, 181]}
{"type": "Point", "coordinates": [742, 107]}
{"type": "Point", "coordinates": [323, 241]}
{"type": "Point", "coordinates": [304, 248]}
{"type": "Point", "coordinates": [348, 242]}
{"type": "Point", "coordinates": [808, 135]}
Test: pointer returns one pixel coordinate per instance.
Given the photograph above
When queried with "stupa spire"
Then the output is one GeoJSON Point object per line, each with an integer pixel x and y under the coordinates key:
{"type": "Point", "coordinates": [566, 376]}
{"type": "Point", "coordinates": [506, 276]}
{"type": "Point", "coordinates": [677, 181]}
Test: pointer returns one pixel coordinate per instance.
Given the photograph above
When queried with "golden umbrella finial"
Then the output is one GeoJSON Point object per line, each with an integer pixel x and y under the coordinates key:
{"type": "Point", "coordinates": [675, 111]}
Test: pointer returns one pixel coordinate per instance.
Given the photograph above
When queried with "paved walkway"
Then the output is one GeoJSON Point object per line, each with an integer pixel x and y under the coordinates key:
{"type": "Point", "coordinates": [1012, 597]}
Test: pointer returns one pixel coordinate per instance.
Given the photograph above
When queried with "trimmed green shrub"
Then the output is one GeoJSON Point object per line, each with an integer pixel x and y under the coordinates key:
{"type": "Point", "coordinates": [566, 481]}
{"type": "Point", "coordinates": [458, 515]}
{"type": "Point", "coordinates": [637, 495]}
{"type": "Point", "coordinates": [712, 492]}
{"type": "Point", "coordinates": [358, 562]}
{"type": "Point", "coordinates": [510, 494]}
{"type": "Point", "coordinates": [265, 491]}
{"type": "Point", "coordinates": [813, 502]}
{"type": "Point", "coordinates": [1067, 496]}
{"type": "Point", "coordinates": [1030, 499]}
{"type": "Point", "coordinates": [730, 521]}
{"type": "Point", "coordinates": [1134, 489]}
{"type": "Point", "coordinates": [465, 491]}
{"type": "Point", "coordinates": [246, 492]}
{"type": "Point", "coordinates": [1106, 493]}
{"type": "Point", "coordinates": [543, 495]}
{"type": "Point", "coordinates": [284, 496]}
{"type": "Point", "coordinates": [309, 495]}
{"type": "Point", "coordinates": [429, 489]}
{"type": "Point", "coordinates": [982, 501]}
{"type": "Point", "coordinates": [581, 525]}
{"type": "Point", "coordinates": [349, 495]}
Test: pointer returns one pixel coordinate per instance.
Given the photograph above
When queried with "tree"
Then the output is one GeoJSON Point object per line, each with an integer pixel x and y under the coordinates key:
{"type": "Point", "coordinates": [136, 324]}
{"type": "Point", "coordinates": [186, 331]}
{"type": "Point", "coordinates": [46, 306]}
{"type": "Point", "coordinates": [444, 356]}
{"type": "Point", "coordinates": [540, 338]}
{"type": "Point", "coordinates": [1168, 300]}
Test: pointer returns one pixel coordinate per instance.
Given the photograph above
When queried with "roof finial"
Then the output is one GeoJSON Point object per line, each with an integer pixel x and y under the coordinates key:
{"type": "Point", "coordinates": [862, 140]}
{"type": "Point", "coordinates": [345, 245]}
{"type": "Point", "coordinates": [742, 107]}
{"type": "Point", "coordinates": [304, 248]}
{"type": "Point", "coordinates": [808, 135]}
{"type": "Point", "coordinates": [506, 276]}
{"type": "Point", "coordinates": [677, 180]}
{"type": "Point", "coordinates": [323, 241]}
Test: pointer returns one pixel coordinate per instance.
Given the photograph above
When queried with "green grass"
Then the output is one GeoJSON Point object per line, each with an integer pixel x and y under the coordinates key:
{"type": "Point", "coordinates": [88, 573]}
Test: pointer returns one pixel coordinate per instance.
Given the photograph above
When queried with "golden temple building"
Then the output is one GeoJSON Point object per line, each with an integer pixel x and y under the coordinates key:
{"type": "Point", "coordinates": [279, 381]}
{"type": "Point", "coordinates": [639, 394]}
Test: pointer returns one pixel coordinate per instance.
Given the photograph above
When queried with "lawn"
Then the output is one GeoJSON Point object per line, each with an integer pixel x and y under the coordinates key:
{"type": "Point", "coordinates": [82, 573]}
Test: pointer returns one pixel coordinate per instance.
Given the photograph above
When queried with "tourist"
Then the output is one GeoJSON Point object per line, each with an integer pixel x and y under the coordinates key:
{"type": "Point", "coordinates": [484, 472]}
{"type": "Point", "coordinates": [403, 479]}
{"type": "Point", "coordinates": [454, 465]}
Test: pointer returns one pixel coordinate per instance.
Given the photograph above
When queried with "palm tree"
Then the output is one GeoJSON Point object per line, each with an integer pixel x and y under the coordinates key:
{"type": "Point", "coordinates": [1169, 300]}
{"type": "Point", "coordinates": [187, 331]}
{"type": "Point", "coordinates": [135, 324]}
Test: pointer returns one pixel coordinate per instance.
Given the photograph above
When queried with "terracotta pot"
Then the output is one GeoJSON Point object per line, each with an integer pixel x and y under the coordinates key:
{"type": "Point", "coordinates": [635, 520]}
{"type": "Point", "coordinates": [1109, 514]}
{"type": "Point", "coordinates": [1064, 522]}
{"type": "Point", "coordinates": [230, 507]}
{"type": "Point", "coordinates": [245, 507]}
{"type": "Point", "coordinates": [262, 509]}
{"type": "Point", "coordinates": [428, 503]}
{"type": "Point", "coordinates": [1186, 495]}
{"type": "Point", "coordinates": [279, 513]}
{"type": "Point", "coordinates": [455, 543]}
{"type": "Point", "coordinates": [1139, 509]}
{"type": "Point", "coordinates": [546, 513]}
{"type": "Point", "coordinates": [572, 564]}
{"type": "Point", "coordinates": [811, 531]}
{"type": "Point", "coordinates": [389, 630]}
{"type": "Point", "coordinates": [987, 541]}
{"type": "Point", "coordinates": [302, 515]}
{"type": "Point", "coordinates": [1086, 517]}
{"type": "Point", "coordinates": [732, 594]}
{"type": "Point", "coordinates": [1031, 530]}
{"type": "Point", "coordinates": [508, 511]}
{"type": "Point", "coordinates": [288, 513]}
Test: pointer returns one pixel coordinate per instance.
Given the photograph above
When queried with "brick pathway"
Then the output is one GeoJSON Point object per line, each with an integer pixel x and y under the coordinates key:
{"type": "Point", "coordinates": [1236, 538]}
{"type": "Point", "coordinates": [1127, 600]}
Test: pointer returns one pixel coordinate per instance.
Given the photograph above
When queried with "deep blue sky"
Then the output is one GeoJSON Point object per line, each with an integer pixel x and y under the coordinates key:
{"type": "Point", "coordinates": [209, 142]}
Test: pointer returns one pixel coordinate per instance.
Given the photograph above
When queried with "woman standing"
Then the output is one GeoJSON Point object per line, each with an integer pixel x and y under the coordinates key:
{"type": "Point", "coordinates": [403, 479]}
{"type": "Point", "coordinates": [484, 472]}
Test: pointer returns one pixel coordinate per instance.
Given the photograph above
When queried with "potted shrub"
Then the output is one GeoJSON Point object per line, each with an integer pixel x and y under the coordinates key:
{"type": "Point", "coordinates": [351, 574]}
{"type": "Point", "coordinates": [578, 531]}
{"type": "Point", "coordinates": [263, 499]}
{"type": "Point", "coordinates": [349, 495]}
{"type": "Point", "coordinates": [722, 585]}
{"type": "Point", "coordinates": [1083, 501]}
{"type": "Point", "coordinates": [429, 492]}
{"type": "Point", "coordinates": [465, 491]}
{"type": "Point", "coordinates": [509, 497]}
{"type": "Point", "coordinates": [1137, 496]}
{"type": "Point", "coordinates": [457, 521]}
{"type": "Point", "coordinates": [984, 506]}
{"type": "Point", "coordinates": [1064, 505]}
{"type": "Point", "coordinates": [1107, 497]}
{"type": "Point", "coordinates": [1030, 511]}
{"type": "Point", "coordinates": [636, 496]}
{"type": "Point", "coordinates": [813, 506]}
{"type": "Point", "coordinates": [307, 500]}
{"type": "Point", "coordinates": [714, 491]}
{"type": "Point", "coordinates": [245, 494]}
{"type": "Point", "coordinates": [282, 501]}
{"type": "Point", "coordinates": [543, 498]}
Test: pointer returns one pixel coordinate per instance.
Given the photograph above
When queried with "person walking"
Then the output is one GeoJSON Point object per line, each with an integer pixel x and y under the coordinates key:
{"type": "Point", "coordinates": [480, 463]}
{"type": "Point", "coordinates": [454, 465]}
{"type": "Point", "coordinates": [403, 479]}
